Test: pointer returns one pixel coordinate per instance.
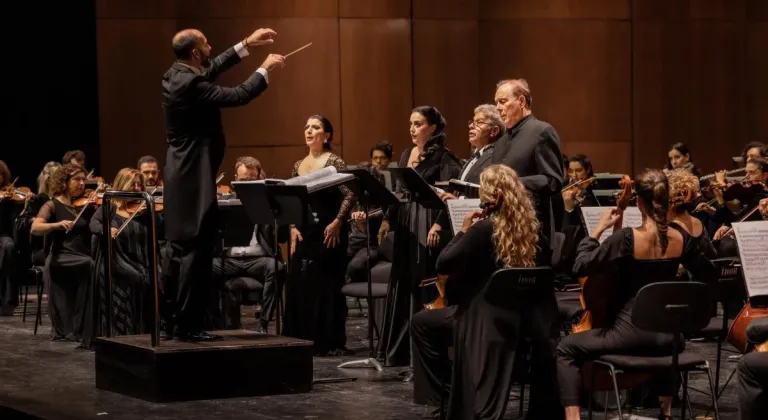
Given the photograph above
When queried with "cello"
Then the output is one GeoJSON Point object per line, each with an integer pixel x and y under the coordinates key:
{"type": "Point", "coordinates": [737, 334]}
{"type": "Point", "coordinates": [597, 290]}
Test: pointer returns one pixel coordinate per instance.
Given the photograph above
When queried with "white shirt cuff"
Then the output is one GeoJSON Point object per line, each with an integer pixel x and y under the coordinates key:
{"type": "Point", "coordinates": [264, 73]}
{"type": "Point", "coordinates": [241, 50]}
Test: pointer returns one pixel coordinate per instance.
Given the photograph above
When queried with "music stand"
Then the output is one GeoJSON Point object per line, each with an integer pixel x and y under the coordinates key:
{"type": "Point", "coordinates": [270, 203]}
{"type": "Point", "coordinates": [369, 192]}
{"type": "Point", "coordinates": [235, 229]}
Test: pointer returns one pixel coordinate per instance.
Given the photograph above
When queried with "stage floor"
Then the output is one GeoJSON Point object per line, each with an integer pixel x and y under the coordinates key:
{"type": "Point", "coordinates": [54, 380]}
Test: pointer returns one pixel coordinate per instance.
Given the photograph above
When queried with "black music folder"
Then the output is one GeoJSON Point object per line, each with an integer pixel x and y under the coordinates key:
{"type": "Point", "coordinates": [417, 188]}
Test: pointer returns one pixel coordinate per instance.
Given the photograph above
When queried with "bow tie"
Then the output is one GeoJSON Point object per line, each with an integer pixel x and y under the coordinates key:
{"type": "Point", "coordinates": [475, 155]}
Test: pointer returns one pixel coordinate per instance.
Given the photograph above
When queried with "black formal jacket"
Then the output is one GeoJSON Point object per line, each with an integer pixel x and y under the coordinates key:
{"type": "Point", "coordinates": [473, 176]}
{"type": "Point", "coordinates": [532, 149]}
{"type": "Point", "coordinates": [196, 140]}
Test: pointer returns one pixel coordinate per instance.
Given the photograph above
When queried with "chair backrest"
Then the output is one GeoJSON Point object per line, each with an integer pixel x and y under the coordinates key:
{"type": "Point", "coordinates": [558, 241]}
{"type": "Point", "coordinates": [672, 307]}
{"type": "Point", "coordinates": [518, 284]}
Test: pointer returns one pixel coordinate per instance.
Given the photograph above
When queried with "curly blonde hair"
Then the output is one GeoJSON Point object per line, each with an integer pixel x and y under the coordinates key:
{"type": "Point", "coordinates": [683, 187]}
{"type": "Point", "coordinates": [515, 227]}
{"type": "Point", "coordinates": [125, 180]}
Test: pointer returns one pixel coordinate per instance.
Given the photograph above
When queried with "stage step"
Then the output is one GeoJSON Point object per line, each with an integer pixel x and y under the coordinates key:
{"type": "Point", "coordinates": [243, 364]}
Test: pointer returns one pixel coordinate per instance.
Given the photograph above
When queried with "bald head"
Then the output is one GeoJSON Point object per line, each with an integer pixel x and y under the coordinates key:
{"type": "Point", "coordinates": [185, 41]}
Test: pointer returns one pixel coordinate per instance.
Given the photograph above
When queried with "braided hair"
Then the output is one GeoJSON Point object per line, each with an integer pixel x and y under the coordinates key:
{"type": "Point", "coordinates": [652, 188]}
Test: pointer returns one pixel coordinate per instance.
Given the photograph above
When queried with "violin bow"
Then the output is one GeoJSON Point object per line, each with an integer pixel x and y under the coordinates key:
{"type": "Point", "coordinates": [751, 212]}
{"type": "Point", "coordinates": [87, 202]}
{"type": "Point", "coordinates": [128, 220]}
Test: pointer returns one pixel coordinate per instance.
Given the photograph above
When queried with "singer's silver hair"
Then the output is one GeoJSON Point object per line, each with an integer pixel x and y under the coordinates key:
{"type": "Point", "coordinates": [492, 115]}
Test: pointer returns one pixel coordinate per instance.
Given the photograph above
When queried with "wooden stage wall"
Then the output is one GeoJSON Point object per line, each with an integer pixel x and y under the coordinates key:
{"type": "Point", "coordinates": [620, 80]}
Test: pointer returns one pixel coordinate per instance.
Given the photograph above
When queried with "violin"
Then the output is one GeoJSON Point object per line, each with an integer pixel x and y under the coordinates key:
{"type": "Point", "coordinates": [578, 188]}
{"type": "Point", "coordinates": [597, 289]}
{"type": "Point", "coordinates": [11, 192]}
{"type": "Point", "coordinates": [744, 190]}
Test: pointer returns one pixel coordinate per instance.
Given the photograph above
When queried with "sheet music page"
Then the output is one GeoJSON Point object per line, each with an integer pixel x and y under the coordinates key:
{"type": "Point", "coordinates": [318, 180]}
{"type": "Point", "coordinates": [458, 210]}
{"type": "Point", "coordinates": [752, 239]}
{"type": "Point", "coordinates": [591, 217]}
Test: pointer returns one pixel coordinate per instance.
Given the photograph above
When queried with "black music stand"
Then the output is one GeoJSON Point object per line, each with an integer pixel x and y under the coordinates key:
{"type": "Point", "coordinates": [369, 192]}
{"type": "Point", "coordinates": [235, 229]}
{"type": "Point", "coordinates": [467, 189]}
{"type": "Point", "coordinates": [417, 191]}
{"type": "Point", "coordinates": [272, 203]}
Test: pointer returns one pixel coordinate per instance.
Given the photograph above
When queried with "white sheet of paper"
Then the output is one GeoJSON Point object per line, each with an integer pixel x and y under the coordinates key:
{"type": "Point", "coordinates": [591, 217]}
{"type": "Point", "coordinates": [458, 210]}
{"type": "Point", "coordinates": [752, 238]}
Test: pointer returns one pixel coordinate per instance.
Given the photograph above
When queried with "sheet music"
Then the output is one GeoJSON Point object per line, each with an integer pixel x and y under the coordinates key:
{"type": "Point", "coordinates": [318, 180]}
{"type": "Point", "coordinates": [752, 239]}
{"type": "Point", "coordinates": [591, 217]}
{"type": "Point", "coordinates": [458, 210]}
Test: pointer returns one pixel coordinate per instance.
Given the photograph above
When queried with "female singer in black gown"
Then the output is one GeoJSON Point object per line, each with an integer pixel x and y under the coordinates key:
{"type": "Point", "coordinates": [69, 263]}
{"type": "Point", "coordinates": [415, 250]}
{"type": "Point", "coordinates": [132, 308]}
{"type": "Point", "coordinates": [315, 308]}
{"type": "Point", "coordinates": [622, 252]}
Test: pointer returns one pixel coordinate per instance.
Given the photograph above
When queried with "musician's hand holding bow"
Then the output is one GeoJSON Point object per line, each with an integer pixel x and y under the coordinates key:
{"type": "Point", "coordinates": [470, 220]}
{"type": "Point", "coordinates": [65, 225]}
{"type": "Point", "coordinates": [433, 237]}
{"type": "Point", "coordinates": [332, 234]}
{"type": "Point", "coordinates": [721, 232]}
{"type": "Point", "coordinates": [607, 221]}
{"type": "Point", "coordinates": [705, 207]}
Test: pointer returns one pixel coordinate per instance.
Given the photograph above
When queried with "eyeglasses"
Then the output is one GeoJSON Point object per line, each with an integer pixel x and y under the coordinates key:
{"type": "Point", "coordinates": [477, 123]}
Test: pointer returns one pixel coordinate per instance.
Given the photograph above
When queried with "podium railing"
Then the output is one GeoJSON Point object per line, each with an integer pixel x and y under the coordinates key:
{"type": "Point", "coordinates": [106, 222]}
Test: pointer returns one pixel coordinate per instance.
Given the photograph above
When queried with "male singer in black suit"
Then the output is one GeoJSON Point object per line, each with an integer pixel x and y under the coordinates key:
{"type": "Point", "coordinates": [196, 144]}
{"type": "Point", "coordinates": [532, 148]}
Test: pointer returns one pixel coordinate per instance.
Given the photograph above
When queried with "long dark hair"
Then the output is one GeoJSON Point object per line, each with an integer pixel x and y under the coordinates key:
{"type": "Point", "coordinates": [652, 187]}
{"type": "Point", "coordinates": [751, 145]}
{"type": "Point", "coordinates": [5, 173]}
{"type": "Point", "coordinates": [683, 150]}
{"type": "Point", "coordinates": [327, 127]}
{"type": "Point", "coordinates": [585, 163]}
{"type": "Point", "coordinates": [437, 139]}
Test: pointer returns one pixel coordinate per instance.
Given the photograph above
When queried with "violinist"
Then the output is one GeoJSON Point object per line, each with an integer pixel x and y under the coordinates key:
{"type": "Point", "coordinates": [26, 243]}
{"type": "Point", "coordinates": [75, 157]}
{"type": "Point", "coordinates": [381, 155]}
{"type": "Point", "coordinates": [752, 374]}
{"type": "Point", "coordinates": [147, 165]}
{"type": "Point", "coordinates": [132, 308]}
{"type": "Point", "coordinates": [756, 178]}
{"type": "Point", "coordinates": [68, 266]}
{"type": "Point", "coordinates": [578, 193]}
{"type": "Point", "coordinates": [9, 295]}
{"type": "Point", "coordinates": [683, 189]}
{"type": "Point", "coordinates": [622, 253]}
{"type": "Point", "coordinates": [507, 235]}
{"type": "Point", "coordinates": [257, 260]}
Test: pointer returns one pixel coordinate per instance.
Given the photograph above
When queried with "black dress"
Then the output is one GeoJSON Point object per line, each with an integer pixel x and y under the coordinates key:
{"type": "Point", "coordinates": [132, 281]}
{"type": "Point", "coordinates": [315, 308]}
{"type": "Point", "coordinates": [412, 261]}
{"type": "Point", "coordinates": [9, 268]}
{"type": "Point", "coordinates": [67, 271]}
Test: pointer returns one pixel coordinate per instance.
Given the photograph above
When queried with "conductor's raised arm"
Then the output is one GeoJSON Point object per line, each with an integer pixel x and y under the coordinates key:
{"type": "Point", "coordinates": [232, 56]}
{"type": "Point", "coordinates": [220, 96]}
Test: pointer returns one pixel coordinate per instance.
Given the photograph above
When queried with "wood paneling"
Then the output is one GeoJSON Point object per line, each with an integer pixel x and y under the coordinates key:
{"type": "Point", "coordinates": [276, 161]}
{"type": "Point", "coordinates": [688, 9]}
{"type": "Point", "coordinates": [374, 8]}
{"type": "Point", "coordinates": [553, 9]}
{"type": "Point", "coordinates": [757, 82]}
{"type": "Point", "coordinates": [216, 9]}
{"type": "Point", "coordinates": [578, 72]}
{"type": "Point", "coordinates": [307, 85]}
{"type": "Point", "coordinates": [757, 10]}
{"type": "Point", "coordinates": [445, 74]}
{"type": "Point", "coordinates": [376, 94]}
{"type": "Point", "coordinates": [132, 57]}
{"type": "Point", "coordinates": [441, 9]}
{"type": "Point", "coordinates": [606, 156]}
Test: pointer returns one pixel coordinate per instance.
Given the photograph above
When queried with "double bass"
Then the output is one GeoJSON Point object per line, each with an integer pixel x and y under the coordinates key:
{"type": "Point", "coordinates": [597, 290]}
{"type": "Point", "coordinates": [737, 334]}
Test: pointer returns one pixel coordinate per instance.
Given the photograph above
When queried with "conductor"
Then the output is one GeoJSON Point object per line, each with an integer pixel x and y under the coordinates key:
{"type": "Point", "coordinates": [196, 144]}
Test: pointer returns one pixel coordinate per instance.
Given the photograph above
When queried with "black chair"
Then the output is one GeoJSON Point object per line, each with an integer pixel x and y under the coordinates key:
{"type": "Point", "coordinates": [666, 307]}
{"type": "Point", "coordinates": [246, 287]}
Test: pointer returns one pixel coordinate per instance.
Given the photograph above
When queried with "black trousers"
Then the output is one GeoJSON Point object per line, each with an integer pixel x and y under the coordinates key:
{"type": "Point", "coordinates": [432, 334]}
{"type": "Point", "coordinates": [622, 338]}
{"type": "Point", "coordinates": [261, 269]}
{"type": "Point", "coordinates": [752, 381]}
{"type": "Point", "coordinates": [357, 267]}
{"type": "Point", "coordinates": [187, 278]}
{"type": "Point", "coordinates": [9, 293]}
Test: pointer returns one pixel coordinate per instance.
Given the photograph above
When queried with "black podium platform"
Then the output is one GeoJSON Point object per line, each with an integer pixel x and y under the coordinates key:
{"type": "Point", "coordinates": [243, 364]}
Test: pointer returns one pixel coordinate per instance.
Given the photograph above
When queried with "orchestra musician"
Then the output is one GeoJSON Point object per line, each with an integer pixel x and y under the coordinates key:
{"type": "Point", "coordinates": [147, 165]}
{"type": "Point", "coordinates": [507, 235]}
{"type": "Point", "coordinates": [764, 208]}
{"type": "Point", "coordinates": [683, 189]}
{"type": "Point", "coordinates": [26, 243]}
{"type": "Point", "coordinates": [756, 172]}
{"type": "Point", "coordinates": [315, 307]}
{"type": "Point", "coordinates": [75, 157]}
{"type": "Point", "coordinates": [68, 266]}
{"type": "Point", "coordinates": [9, 295]}
{"type": "Point", "coordinates": [532, 148]}
{"type": "Point", "coordinates": [679, 157]}
{"type": "Point", "coordinates": [579, 171]}
{"type": "Point", "coordinates": [754, 150]}
{"type": "Point", "coordinates": [752, 374]}
{"type": "Point", "coordinates": [196, 143]}
{"type": "Point", "coordinates": [622, 251]}
{"type": "Point", "coordinates": [381, 155]}
{"type": "Point", "coordinates": [357, 251]}
{"type": "Point", "coordinates": [257, 260]}
{"type": "Point", "coordinates": [415, 249]}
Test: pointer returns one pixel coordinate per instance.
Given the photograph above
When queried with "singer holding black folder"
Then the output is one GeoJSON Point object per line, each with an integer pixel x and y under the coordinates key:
{"type": "Point", "coordinates": [191, 106]}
